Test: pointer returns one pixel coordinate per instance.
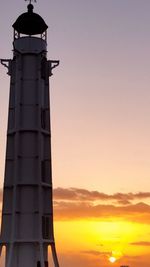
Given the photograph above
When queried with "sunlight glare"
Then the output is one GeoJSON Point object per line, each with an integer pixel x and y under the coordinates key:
{"type": "Point", "coordinates": [112, 259]}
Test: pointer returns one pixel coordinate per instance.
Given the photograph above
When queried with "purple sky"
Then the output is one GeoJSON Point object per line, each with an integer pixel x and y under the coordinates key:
{"type": "Point", "coordinates": [100, 94]}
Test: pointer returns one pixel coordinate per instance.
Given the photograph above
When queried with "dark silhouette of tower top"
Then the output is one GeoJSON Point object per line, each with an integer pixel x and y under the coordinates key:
{"type": "Point", "coordinates": [30, 23]}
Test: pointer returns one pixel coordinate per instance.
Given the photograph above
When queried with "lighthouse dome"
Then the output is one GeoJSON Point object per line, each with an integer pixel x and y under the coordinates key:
{"type": "Point", "coordinates": [30, 23]}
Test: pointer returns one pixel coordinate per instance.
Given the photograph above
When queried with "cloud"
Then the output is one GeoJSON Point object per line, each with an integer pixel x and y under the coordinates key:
{"type": "Point", "coordinates": [76, 204]}
{"type": "Point", "coordinates": [97, 253]}
{"type": "Point", "coordinates": [141, 243]}
{"type": "Point", "coordinates": [78, 194]}
{"type": "Point", "coordinates": [81, 210]}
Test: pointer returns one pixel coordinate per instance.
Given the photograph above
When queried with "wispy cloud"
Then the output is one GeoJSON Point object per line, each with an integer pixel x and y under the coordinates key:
{"type": "Point", "coordinates": [78, 194]}
{"type": "Point", "coordinates": [141, 243]}
{"type": "Point", "coordinates": [67, 210]}
{"type": "Point", "coordinates": [76, 203]}
{"type": "Point", "coordinates": [97, 253]}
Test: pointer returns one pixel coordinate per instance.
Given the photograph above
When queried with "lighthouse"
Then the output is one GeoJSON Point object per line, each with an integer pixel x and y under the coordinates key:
{"type": "Point", "coordinates": [27, 212]}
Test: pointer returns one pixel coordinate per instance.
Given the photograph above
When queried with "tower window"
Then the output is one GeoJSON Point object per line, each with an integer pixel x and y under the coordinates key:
{"type": "Point", "coordinates": [45, 171]}
{"type": "Point", "coordinates": [46, 227]}
{"type": "Point", "coordinates": [43, 118]}
{"type": "Point", "coordinates": [44, 68]}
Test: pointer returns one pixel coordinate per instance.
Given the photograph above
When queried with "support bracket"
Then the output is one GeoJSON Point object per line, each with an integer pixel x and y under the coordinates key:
{"type": "Point", "coordinates": [5, 62]}
{"type": "Point", "coordinates": [52, 65]}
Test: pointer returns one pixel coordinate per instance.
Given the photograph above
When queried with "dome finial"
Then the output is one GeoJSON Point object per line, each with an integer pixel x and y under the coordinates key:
{"type": "Point", "coordinates": [30, 6]}
{"type": "Point", "coordinates": [30, 1]}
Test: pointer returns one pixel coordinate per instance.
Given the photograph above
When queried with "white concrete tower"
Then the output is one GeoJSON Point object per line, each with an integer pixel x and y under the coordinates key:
{"type": "Point", "coordinates": [27, 213]}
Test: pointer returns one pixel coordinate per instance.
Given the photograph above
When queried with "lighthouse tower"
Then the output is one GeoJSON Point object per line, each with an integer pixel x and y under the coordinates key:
{"type": "Point", "coordinates": [27, 213]}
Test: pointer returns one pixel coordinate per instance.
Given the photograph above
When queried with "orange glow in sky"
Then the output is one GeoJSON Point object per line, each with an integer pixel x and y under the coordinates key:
{"type": "Point", "coordinates": [103, 240]}
{"type": "Point", "coordinates": [99, 231]}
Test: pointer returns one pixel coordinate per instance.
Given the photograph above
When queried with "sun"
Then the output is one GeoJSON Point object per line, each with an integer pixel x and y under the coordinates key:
{"type": "Point", "coordinates": [112, 259]}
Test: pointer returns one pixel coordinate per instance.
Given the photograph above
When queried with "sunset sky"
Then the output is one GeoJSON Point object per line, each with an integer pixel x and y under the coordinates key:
{"type": "Point", "coordinates": [100, 113]}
